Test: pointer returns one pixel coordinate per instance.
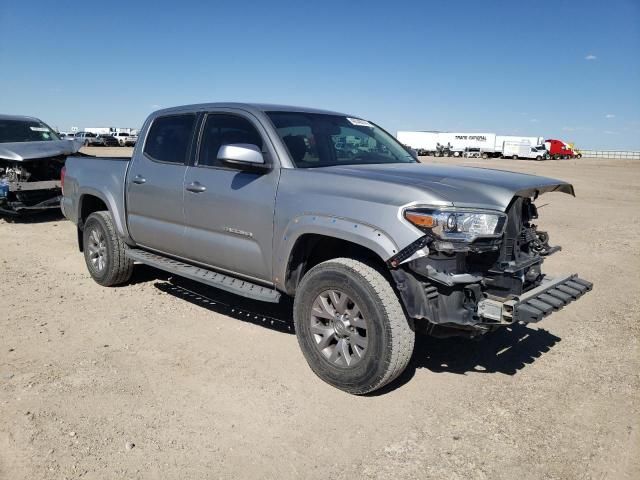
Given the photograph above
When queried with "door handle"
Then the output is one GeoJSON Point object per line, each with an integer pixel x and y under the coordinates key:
{"type": "Point", "coordinates": [139, 179]}
{"type": "Point", "coordinates": [196, 187]}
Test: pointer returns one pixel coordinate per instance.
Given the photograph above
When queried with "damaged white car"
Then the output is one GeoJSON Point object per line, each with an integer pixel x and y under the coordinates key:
{"type": "Point", "coordinates": [31, 159]}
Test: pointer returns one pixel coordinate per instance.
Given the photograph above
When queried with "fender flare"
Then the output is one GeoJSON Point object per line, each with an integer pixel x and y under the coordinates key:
{"type": "Point", "coordinates": [354, 231]}
{"type": "Point", "coordinates": [112, 206]}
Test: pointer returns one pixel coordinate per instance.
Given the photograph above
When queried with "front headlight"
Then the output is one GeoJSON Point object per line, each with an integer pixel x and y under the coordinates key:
{"type": "Point", "coordinates": [458, 225]}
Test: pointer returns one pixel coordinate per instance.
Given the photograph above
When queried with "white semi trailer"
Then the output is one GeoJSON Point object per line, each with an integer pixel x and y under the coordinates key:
{"type": "Point", "coordinates": [456, 143]}
{"type": "Point", "coordinates": [448, 143]}
{"type": "Point", "coordinates": [459, 142]}
{"type": "Point", "coordinates": [425, 143]}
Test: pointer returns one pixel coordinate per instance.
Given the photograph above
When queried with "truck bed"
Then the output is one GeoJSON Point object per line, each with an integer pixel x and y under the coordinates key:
{"type": "Point", "coordinates": [103, 177]}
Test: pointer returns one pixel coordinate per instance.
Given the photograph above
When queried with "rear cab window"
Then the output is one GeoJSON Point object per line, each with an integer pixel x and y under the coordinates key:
{"type": "Point", "coordinates": [169, 138]}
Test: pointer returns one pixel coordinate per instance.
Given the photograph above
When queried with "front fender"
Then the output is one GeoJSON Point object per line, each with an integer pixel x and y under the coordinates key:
{"type": "Point", "coordinates": [341, 228]}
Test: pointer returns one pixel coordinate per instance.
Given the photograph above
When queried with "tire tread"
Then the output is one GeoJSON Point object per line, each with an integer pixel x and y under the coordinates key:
{"type": "Point", "coordinates": [402, 337]}
{"type": "Point", "coordinates": [120, 266]}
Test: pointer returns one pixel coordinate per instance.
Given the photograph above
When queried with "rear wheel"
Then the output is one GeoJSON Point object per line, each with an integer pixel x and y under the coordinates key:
{"type": "Point", "coordinates": [515, 157]}
{"type": "Point", "coordinates": [104, 252]}
{"type": "Point", "coordinates": [351, 327]}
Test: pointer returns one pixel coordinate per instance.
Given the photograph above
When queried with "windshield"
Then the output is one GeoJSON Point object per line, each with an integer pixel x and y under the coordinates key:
{"type": "Point", "coordinates": [25, 131]}
{"type": "Point", "coordinates": [321, 140]}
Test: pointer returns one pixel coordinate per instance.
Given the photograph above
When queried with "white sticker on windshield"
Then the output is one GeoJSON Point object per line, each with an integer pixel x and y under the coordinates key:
{"type": "Point", "coordinates": [359, 122]}
{"type": "Point", "coordinates": [39, 129]}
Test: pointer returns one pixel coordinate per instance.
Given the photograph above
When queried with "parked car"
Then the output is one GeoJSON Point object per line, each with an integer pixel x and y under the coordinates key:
{"type": "Point", "coordinates": [471, 152]}
{"type": "Point", "coordinates": [31, 160]}
{"type": "Point", "coordinates": [121, 137]}
{"type": "Point", "coordinates": [89, 139]}
{"type": "Point", "coordinates": [131, 140]}
{"type": "Point", "coordinates": [109, 141]}
{"type": "Point", "coordinates": [371, 247]}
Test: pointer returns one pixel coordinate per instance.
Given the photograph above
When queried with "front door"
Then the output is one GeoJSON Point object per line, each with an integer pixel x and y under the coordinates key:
{"type": "Point", "coordinates": [229, 212]}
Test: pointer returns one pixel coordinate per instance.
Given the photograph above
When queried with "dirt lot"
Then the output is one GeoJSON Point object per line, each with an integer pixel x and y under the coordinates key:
{"type": "Point", "coordinates": [164, 379]}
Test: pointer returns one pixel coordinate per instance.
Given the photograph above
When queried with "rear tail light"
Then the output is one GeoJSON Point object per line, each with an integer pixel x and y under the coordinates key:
{"type": "Point", "coordinates": [62, 174]}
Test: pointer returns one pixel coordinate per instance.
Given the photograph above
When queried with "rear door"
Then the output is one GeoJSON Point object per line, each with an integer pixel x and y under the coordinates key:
{"type": "Point", "coordinates": [228, 211]}
{"type": "Point", "coordinates": [155, 184]}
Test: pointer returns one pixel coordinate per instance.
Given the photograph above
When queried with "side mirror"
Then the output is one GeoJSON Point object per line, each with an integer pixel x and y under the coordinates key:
{"type": "Point", "coordinates": [242, 155]}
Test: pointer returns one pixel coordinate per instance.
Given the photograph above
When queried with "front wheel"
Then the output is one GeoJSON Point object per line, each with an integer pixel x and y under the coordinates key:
{"type": "Point", "coordinates": [104, 252]}
{"type": "Point", "coordinates": [539, 158]}
{"type": "Point", "coordinates": [351, 327]}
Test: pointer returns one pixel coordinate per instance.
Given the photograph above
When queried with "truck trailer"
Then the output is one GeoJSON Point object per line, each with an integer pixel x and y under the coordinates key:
{"type": "Point", "coordinates": [424, 143]}
{"type": "Point", "coordinates": [447, 144]}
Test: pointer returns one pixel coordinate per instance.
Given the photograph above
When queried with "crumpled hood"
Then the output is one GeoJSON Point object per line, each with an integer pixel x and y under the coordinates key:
{"type": "Point", "coordinates": [20, 151]}
{"type": "Point", "coordinates": [460, 186]}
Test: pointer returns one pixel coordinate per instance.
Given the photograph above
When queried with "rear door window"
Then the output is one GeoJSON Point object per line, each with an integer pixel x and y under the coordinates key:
{"type": "Point", "coordinates": [169, 138]}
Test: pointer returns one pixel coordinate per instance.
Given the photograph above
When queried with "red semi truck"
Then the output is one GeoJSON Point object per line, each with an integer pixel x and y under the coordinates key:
{"type": "Point", "coordinates": [559, 149]}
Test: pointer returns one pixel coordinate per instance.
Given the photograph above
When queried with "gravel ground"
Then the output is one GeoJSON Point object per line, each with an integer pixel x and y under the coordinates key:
{"type": "Point", "coordinates": [165, 379]}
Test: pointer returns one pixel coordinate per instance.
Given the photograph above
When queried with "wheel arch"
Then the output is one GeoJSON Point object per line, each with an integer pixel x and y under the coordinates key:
{"type": "Point", "coordinates": [311, 246]}
{"type": "Point", "coordinates": [90, 201]}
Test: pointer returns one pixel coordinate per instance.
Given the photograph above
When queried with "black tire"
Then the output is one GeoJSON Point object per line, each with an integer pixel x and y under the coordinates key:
{"type": "Point", "coordinates": [117, 267]}
{"type": "Point", "coordinates": [485, 156]}
{"type": "Point", "coordinates": [515, 157]}
{"type": "Point", "coordinates": [539, 158]}
{"type": "Point", "coordinates": [390, 338]}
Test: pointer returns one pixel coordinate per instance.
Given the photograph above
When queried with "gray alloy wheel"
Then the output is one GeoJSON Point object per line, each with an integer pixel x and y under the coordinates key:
{"type": "Point", "coordinates": [97, 249]}
{"type": "Point", "coordinates": [350, 325]}
{"type": "Point", "coordinates": [338, 328]}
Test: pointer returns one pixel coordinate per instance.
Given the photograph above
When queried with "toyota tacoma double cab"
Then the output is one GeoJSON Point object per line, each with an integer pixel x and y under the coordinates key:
{"type": "Point", "coordinates": [266, 201]}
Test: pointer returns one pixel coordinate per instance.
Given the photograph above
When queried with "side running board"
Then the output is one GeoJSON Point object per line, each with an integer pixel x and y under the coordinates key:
{"type": "Point", "coordinates": [208, 277]}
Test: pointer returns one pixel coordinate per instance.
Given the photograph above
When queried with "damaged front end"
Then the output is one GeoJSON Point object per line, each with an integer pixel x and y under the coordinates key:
{"type": "Point", "coordinates": [31, 160]}
{"type": "Point", "coordinates": [30, 186]}
{"type": "Point", "coordinates": [474, 271]}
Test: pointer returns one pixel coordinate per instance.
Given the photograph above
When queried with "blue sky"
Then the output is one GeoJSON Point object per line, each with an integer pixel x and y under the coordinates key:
{"type": "Point", "coordinates": [558, 69]}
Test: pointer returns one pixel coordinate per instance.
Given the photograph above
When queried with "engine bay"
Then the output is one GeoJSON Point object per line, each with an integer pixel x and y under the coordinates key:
{"type": "Point", "coordinates": [32, 185]}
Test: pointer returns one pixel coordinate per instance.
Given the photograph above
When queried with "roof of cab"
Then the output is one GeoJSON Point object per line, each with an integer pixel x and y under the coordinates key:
{"type": "Point", "coordinates": [261, 107]}
{"type": "Point", "coordinates": [17, 117]}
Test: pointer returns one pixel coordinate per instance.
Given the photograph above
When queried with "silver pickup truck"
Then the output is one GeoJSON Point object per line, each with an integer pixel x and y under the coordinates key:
{"type": "Point", "coordinates": [265, 201]}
